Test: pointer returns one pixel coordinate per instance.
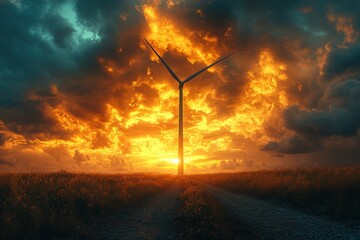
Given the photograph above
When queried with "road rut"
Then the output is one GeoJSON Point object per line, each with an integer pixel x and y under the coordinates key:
{"type": "Point", "coordinates": [271, 221]}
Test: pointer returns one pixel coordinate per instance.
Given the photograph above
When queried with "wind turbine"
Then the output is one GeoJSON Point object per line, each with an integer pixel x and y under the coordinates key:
{"type": "Point", "coordinates": [181, 85]}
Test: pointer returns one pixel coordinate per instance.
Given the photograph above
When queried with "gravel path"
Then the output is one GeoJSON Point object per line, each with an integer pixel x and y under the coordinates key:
{"type": "Point", "coordinates": [153, 220]}
{"type": "Point", "coordinates": [274, 222]}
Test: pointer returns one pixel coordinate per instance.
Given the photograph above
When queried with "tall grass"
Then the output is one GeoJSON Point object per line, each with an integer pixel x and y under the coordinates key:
{"type": "Point", "coordinates": [39, 205]}
{"type": "Point", "coordinates": [332, 191]}
{"type": "Point", "coordinates": [200, 216]}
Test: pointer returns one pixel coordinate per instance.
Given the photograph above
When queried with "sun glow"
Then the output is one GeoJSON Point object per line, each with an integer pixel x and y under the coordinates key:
{"type": "Point", "coordinates": [174, 161]}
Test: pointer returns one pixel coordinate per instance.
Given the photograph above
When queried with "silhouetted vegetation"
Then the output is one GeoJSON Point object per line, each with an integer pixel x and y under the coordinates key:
{"type": "Point", "coordinates": [331, 191]}
{"type": "Point", "coordinates": [200, 216]}
{"type": "Point", "coordinates": [39, 205]}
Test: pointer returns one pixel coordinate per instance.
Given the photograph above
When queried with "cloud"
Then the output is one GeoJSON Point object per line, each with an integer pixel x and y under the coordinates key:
{"type": "Point", "coordinates": [80, 158]}
{"type": "Point", "coordinates": [100, 140]}
{"type": "Point", "coordinates": [60, 30]}
{"type": "Point", "coordinates": [118, 164]}
{"type": "Point", "coordinates": [235, 164]}
{"type": "Point", "coordinates": [292, 144]}
{"type": "Point", "coordinates": [335, 121]}
{"type": "Point", "coordinates": [340, 117]}
{"type": "Point", "coordinates": [343, 63]}
{"type": "Point", "coordinates": [3, 139]}
{"type": "Point", "coordinates": [76, 77]}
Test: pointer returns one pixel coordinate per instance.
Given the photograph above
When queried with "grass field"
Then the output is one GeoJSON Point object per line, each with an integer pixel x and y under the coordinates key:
{"type": "Point", "coordinates": [40, 205]}
{"type": "Point", "coordinates": [43, 205]}
{"type": "Point", "coordinates": [331, 191]}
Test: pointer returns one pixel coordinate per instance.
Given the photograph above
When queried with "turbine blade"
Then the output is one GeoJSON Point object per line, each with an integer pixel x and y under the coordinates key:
{"type": "Point", "coordinates": [167, 66]}
{"type": "Point", "coordinates": [206, 68]}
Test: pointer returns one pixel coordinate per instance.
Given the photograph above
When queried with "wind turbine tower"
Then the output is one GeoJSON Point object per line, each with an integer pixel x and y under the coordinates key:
{"type": "Point", "coordinates": [181, 86]}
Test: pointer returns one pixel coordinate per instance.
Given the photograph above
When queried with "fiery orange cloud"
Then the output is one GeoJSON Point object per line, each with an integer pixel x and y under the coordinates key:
{"type": "Point", "coordinates": [262, 98]}
{"type": "Point", "coordinates": [146, 136]}
{"type": "Point", "coordinates": [12, 139]}
{"type": "Point", "coordinates": [166, 35]}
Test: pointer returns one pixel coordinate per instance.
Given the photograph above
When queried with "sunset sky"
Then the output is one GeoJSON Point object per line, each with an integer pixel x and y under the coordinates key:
{"type": "Point", "coordinates": [81, 91]}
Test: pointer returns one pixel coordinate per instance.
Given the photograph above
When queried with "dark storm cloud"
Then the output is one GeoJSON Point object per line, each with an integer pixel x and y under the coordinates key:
{"type": "Point", "coordinates": [31, 120]}
{"type": "Point", "coordinates": [340, 117]}
{"type": "Point", "coordinates": [41, 46]}
{"type": "Point", "coordinates": [202, 14]}
{"type": "Point", "coordinates": [27, 63]}
{"type": "Point", "coordinates": [60, 30]}
{"type": "Point", "coordinates": [343, 61]}
{"type": "Point", "coordinates": [32, 117]}
{"type": "Point", "coordinates": [292, 145]}
{"type": "Point", "coordinates": [278, 26]}
{"type": "Point", "coordinates": [27, 59]}
{"type": "Point", "coordinates": [336, 121]}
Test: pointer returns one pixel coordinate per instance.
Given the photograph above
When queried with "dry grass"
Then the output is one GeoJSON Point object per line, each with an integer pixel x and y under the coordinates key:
{"type": "Point", "coordinates": [197, 215]}
{"type": "Point", "coordinates": [200, 216]}
{"type": "Point", "coordinates": [332, 191]}
{"type": "Point", "coordinates": [39, 205]}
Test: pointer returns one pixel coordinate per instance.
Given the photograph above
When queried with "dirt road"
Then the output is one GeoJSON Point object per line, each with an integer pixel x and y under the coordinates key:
{"type": "Point", "coordinates": [273, 222]}
{"type": "Point", "coordinates": [155, 219]}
